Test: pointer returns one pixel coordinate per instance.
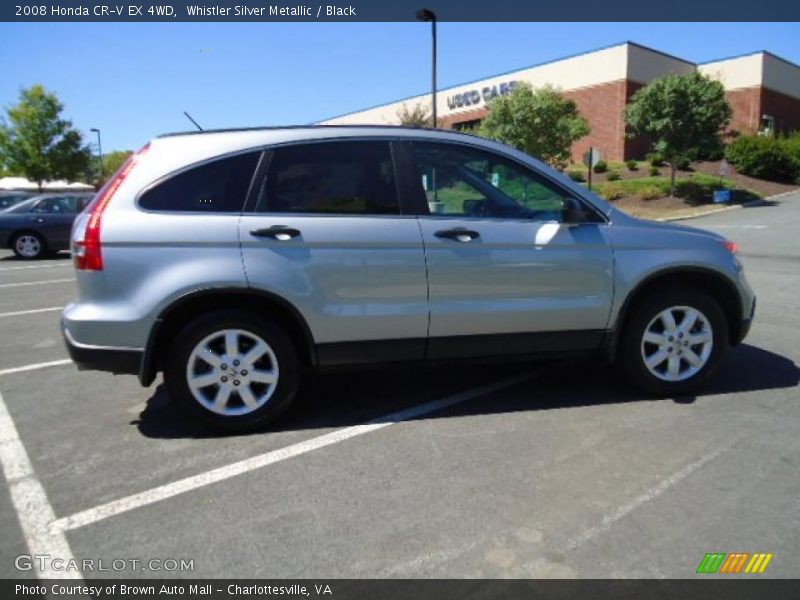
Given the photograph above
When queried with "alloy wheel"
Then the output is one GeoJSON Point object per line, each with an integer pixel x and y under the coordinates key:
{"type": "Point", "coordinates": [232, 372]}
{"type": "Point", "coordinates": [28, 246]}
{"type": "Point", "coordinates": [677, 343]}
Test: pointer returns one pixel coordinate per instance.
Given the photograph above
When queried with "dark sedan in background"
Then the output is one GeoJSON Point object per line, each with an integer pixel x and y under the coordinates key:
{"type": "Point", "coordinates": [9, 199]}
{"type": "Point", "coordinates": [40, 225]}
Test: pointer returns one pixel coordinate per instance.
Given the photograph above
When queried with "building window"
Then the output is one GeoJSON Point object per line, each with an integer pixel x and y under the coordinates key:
{"type": "Point", "coordinates": [466, 125]}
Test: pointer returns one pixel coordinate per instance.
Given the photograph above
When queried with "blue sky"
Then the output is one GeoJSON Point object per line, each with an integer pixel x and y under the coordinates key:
{"type": "Point", "coordinates": [133, 80]}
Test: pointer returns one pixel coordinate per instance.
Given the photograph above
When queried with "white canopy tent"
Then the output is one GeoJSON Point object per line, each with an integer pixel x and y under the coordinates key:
{"type": "Point", "coordinates": [21, 184]}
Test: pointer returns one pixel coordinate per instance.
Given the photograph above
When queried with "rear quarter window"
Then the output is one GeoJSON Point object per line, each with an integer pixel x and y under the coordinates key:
{"type": "Point", "coordinates": [218, 186]}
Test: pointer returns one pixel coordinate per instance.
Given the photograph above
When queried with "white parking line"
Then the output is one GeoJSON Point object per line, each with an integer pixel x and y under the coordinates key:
{"type": "Point", "coordinates": [24, 283]}
{"type": "Point", "coordinates": [35, 366]}
{"type": "Point", "coordinates": [738, 226]}
{"type": "Point", "coordinates": [650, 494]}
{"type": "Point", "coordinates": [151, 496]}
{"type": "Point", "coordinates": [31, 312]}
{"type": "Point", "coordinates": [30, 501]}
{"type": "Point", "coordinates": [25, 268]}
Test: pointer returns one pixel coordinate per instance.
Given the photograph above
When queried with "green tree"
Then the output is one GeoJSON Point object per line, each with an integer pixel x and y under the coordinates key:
{"type": "Point", "coordinates": [540, 122]}
{"type": "Point", "coordinates": [417, 116]}
{"type": "Point", "coordinates": [683, 115]}
{"type": "Point", "coordinates": [111, 163]}
{"type": "Point", "coordinates": [38, 143]}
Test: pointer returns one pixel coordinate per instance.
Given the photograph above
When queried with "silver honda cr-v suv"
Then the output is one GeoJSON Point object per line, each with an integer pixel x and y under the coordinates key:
{"type": "Point", "coordinates": [232, 260]}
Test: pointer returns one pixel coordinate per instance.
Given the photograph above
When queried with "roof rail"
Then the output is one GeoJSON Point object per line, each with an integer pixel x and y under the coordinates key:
{"type": "Point", "coordinates": [280, 127]}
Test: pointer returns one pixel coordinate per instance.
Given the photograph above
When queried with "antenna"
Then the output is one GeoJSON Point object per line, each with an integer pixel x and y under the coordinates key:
{"type": "Point", "coordinates": [188, 116]}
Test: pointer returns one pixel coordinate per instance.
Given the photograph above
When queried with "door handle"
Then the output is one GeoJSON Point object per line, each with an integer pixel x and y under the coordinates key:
{"type": "Point", "coordinates": [459, 234]}
{"type": "Point", "coordinates": [281, 233]}
{"type": "Point", "coordinates": [39, 220]}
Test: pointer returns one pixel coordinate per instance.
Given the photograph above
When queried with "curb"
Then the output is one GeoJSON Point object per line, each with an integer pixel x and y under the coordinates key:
{"type": "Point", "coordinates": [750, 203]}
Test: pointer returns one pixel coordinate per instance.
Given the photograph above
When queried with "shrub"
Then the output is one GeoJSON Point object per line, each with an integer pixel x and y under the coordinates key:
{"type": "Point", "coordinates": [684, 164]}
{"type": "Point", "coordinates": [654, 172]}
{"type": "Point", "coordinates": [656, 160]}
{"type": "Point", "coordinates": [650, 193]}
{"type": "Point", "coordinates": [762, 157]}
{"type": "Point", "coordinates": [632, 166]}
{"type": "Point", "coordinates": [610, 192]}
{"type": "Point", "coordinates": [576, 175]}
{"type": "Point", "coordinates": [698, 188]}
{"type": "Point", "coordinates": [692, 191]}
{"type": "Point", "coordinates": [613, 176]}
{"type": "Point", "coordinates": [716, 153]}
{"type": "Point", "coordinates": [791, 145]}
{"type": "Point", "coordinates": [601, 166]}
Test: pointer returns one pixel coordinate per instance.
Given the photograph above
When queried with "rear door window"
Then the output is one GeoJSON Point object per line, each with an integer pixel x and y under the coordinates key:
{"type": "Point", "coordinates": [331, 178]}
{"type": "Point", "coordinates": [60, 205]}
{"type": "Point", "coordinates": [218, 186]}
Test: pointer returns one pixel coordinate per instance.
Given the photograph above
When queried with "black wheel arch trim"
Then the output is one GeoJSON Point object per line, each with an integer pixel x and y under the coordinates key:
{"type": "Point", "coordinates": [611, 342]}
{"type": "Point", "coordinates": [149, 364]}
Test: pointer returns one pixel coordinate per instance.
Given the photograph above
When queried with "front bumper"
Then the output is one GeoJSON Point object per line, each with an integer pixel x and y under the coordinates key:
{"type": "Point", "coordinates": [101, 358]}
{"type": "Point", "coordinates": [744, 327]}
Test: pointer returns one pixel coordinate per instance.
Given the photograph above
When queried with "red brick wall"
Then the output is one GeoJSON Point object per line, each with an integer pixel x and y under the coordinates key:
{"type": "Point", "coordinates": [462, 117]}
{"type": "Point", "coordinates": [636, 148]}
{"type": "Point", "coordinates": [746, 106]}
{"type": "Point", "coordinates": [785, 109]}
{"type": "Point", "coordinates": [600, 105]}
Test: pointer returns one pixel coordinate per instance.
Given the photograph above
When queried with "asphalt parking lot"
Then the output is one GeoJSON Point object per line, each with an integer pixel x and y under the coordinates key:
{"type": "Point", "coordinates": [522, 470]}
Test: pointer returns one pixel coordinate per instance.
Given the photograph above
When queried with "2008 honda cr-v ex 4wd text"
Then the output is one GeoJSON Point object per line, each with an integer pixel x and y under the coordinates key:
{"type": "Point", "coordinates": [233, 260]}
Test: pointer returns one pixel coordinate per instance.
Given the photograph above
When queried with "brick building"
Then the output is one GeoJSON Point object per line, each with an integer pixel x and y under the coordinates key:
{"type": "Point", "coordinates": [763, 89]}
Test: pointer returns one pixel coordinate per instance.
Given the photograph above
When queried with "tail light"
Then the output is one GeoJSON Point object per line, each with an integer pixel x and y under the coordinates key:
{"type": "Point", "coordinates": [730, 246]}
{"type": "Point", "coordinates": [87, 252]}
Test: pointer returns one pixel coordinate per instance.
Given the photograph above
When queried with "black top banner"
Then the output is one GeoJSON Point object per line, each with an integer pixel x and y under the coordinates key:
{"type": "Point", "coordinates": [398, 10]}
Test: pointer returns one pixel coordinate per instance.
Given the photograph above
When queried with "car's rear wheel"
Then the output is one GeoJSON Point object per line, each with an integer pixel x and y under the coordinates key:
{"type": "Point", "coordinates": [673, 342]}
{"type": "Point", "coordinates": [28, 246]}
{"type": "Point", "coordinates": [233, 369]}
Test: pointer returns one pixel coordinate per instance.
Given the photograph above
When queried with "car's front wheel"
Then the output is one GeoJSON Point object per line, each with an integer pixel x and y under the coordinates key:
{"type": "Point", "coordinates": [232, 369]}
{"type": "Point", "coordinates": [673, 342]}
{"type": "Point", "coordinates": [28, 246]}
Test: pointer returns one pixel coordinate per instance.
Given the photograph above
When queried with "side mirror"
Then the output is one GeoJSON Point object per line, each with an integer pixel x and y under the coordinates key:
{"type": "Point", "coordinates": [573, 212]}
{"type": "Point", "coordinates": [474, 208]}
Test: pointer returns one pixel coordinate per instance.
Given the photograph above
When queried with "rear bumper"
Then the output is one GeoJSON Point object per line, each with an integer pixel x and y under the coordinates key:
{"type": "Point", "coordinates": [99, 358]}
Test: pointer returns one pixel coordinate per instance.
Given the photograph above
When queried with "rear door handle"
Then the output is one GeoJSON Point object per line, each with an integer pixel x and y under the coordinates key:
{"type": "Point", "coordinates": [281, 233]}
{"type": "Point", "coordinates": [459, 234]}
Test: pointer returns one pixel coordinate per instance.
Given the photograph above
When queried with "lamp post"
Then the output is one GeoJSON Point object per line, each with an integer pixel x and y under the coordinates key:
{"type": "Point", "coordinates": [425, 14]}
{"type": "Point", "coordinates": [99, 150]}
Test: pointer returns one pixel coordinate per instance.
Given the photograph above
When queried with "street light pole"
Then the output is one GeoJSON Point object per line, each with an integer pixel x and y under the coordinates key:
{"type": "Point", "coordinates": [99, 150]}
{"type": "Point", "coordinates": [425, 14]}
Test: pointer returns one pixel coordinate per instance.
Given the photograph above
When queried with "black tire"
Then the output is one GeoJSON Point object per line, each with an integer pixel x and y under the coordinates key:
{"type": "Point", "coordinates": [630, 356]}
{"type": "Point", "coordinates": [180, 353]}
{"type": "Point", "coordinates": [23, 235]}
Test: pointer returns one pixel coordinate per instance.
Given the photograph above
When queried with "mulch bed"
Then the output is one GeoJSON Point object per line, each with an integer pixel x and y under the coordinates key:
{"type": "Point", "coordinates": [763, 187]}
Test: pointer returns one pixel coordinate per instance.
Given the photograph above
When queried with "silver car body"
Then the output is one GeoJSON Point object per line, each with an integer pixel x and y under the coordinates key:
{"type": "Point", "coordinates": [360, 279]}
